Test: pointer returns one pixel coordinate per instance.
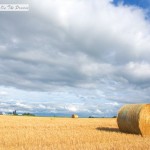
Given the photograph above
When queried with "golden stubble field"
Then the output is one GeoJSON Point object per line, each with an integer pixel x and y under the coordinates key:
{"type": "Point", "coordinates": [44, 133]}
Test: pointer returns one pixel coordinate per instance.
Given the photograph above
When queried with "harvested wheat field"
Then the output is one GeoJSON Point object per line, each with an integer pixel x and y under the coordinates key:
{"type": "Point", "coordinates": [44, 133]}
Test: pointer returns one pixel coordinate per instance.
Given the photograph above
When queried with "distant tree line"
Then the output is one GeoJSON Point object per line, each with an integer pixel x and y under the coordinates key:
{"type": "Point", "coordinates": [24, 114]}
{"type": "Point", "coordinates": [27, 114]}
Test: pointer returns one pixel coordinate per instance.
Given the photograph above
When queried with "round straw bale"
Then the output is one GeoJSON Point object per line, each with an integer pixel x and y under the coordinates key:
{"type": "Point", "coordinates": [74, 116]}
{"type": "Point", "coordinates": [134, 118]}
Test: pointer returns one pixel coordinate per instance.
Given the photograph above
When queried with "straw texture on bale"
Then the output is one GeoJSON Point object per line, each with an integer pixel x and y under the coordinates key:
{"type": "Point", "coordinates": [134, 118]}
{"type": "Point", "coordinates": [74, 116]}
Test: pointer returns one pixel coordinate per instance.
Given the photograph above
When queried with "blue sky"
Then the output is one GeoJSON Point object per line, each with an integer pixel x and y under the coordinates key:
{"type": "Point", "coordinates": [86, 57]}
{"type": "Point", "coordinates": [143, 4]}
{"type": "Point", "coordinates": [140, 3]}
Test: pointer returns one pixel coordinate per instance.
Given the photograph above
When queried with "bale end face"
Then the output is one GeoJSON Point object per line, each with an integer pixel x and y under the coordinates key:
{"type": "Point", "coordinates": [144, 118]}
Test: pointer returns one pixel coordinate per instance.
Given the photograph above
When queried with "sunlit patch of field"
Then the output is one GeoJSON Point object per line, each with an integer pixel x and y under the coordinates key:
{"type": "Point", "coordinates": [44, 133]}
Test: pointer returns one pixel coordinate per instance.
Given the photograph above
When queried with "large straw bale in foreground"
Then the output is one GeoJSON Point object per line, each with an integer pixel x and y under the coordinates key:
{"type": "Point", "coordinates": [134, 118]}
{"type": "Point", "coordinates": [74, 116]}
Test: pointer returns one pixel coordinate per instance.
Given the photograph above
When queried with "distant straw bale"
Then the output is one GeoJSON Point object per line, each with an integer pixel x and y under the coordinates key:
{"type": "Point", "coordinates": [134, 118]}
{"type": "Point", "coordinates": [74, 116]}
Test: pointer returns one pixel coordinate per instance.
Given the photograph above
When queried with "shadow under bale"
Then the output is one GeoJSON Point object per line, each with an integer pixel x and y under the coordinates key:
{"type": "Point", "coordinates": [107, 129]}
